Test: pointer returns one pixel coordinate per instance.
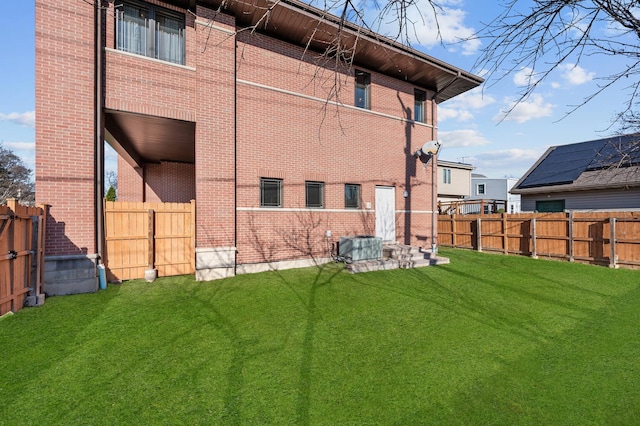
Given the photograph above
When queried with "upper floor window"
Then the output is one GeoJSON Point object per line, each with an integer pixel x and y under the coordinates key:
{"type": "Point", "coordinates": [363, 89]}
{"type": "Point", "coordinates": [270, 192]}
{"type": "Point", "coordinates": [420, 99]}
{"type": "Point", "coordinates": [446, 175]}
{"type": "Point", "coordinates": [150, 30]}
{"type": "Point", "coordinates": [480, 189]}
{"type": "Point", "coordinates": [351, 196]}
{"type": "Point", "coordinates": [314, 194]}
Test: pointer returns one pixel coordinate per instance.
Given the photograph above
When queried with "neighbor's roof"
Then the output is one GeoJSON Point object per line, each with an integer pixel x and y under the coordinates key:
{"type": "Point", "coordinates": [305, 25]}
{"type": "Point", "coordinates": [455, 165]}
{"type": "Point", "coordinates": [612, 162]}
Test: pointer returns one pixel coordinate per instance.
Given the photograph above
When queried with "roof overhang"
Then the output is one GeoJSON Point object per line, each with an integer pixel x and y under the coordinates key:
{"type": "Point", "coordinates": [315, 29]}
{"type": "Point", "coordinates": [454, 165]}
{"type": "Point", "coordinates": [140, 138]}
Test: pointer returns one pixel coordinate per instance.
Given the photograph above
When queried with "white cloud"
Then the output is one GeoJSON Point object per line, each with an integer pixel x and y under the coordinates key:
{"type": "Point", "coordinates": [523, 111]}
{"type": "Point", "coordinates": [460, 107]}
{"type": "Point", "coordinates": [445, 26]}
{"type": "Point", "coordinates": [20, 146]}
{"type": "Point", "coordinates": [460, 115]}
{"type": "Point", "coordinates": [575, 74]}
{"type": "Point", "coordinates": [462, 138]}
{"type": "Point", "coordinates": [524, 77]}
{"type": "Point", "coordinates": [507, 162]}
{"type": "Point", "coordinates": [27, 118]}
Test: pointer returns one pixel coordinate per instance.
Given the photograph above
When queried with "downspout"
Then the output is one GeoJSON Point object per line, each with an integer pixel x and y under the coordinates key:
{"type": "Point", "coordinates": [434, 175]}
{"type": "Point", "coordinates": [235, 156]}
{"type": "Point", "coordinates": [434, 179]}
{"type": "Point", "coordinates": [98, 131]}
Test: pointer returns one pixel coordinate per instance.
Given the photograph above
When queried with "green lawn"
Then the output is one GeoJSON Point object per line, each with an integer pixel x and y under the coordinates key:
{"type": "Point", "coordinates": [488, 339]}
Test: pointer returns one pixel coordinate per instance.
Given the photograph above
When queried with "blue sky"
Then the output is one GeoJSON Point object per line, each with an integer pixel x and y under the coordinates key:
{"type": "Point", "coordinates": [469, 126]}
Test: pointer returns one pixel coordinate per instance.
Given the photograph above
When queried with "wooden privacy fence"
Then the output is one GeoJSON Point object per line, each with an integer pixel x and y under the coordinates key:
{"type": "Point", "coordinates": [22, 231]}
{"type": "Point", "coordinates": [610, 238]}
{"type": "Point", "coordinates": [143, 236]}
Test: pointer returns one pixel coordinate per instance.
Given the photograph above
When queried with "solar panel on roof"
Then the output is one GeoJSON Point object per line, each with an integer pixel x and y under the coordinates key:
{"type": "Point", "coordinates": [622, 151]}
{"type": "Point", "coordinates": [562, 165]}
{"type": "Point", "coordinates": [565, 163]}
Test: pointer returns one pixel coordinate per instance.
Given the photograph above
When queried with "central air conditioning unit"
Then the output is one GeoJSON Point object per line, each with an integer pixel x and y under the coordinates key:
{"type": "Point", "coordinates": [361, 247]}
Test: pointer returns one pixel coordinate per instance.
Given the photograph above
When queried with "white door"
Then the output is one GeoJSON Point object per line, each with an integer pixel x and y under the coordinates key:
{"type": "Point", "coordinates": [386, 213]}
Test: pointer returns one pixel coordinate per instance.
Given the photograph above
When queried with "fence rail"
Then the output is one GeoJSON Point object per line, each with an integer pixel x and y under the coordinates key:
{"type": "Point", "coordinates": [607, 238]}
{"type": "Point", "coordinates": [485, 206]}
{"type": "Point", "coordinates": [22, 231]}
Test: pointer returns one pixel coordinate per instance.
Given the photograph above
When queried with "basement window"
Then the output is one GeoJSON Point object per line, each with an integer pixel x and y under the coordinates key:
{"type": "Point", "coordinates": [270, 192]}
{"type": "Point", "coordinates": [152, 31]}
{"type": "Point", "coordinates": [352, 196]}
{"type": "Point", "coordinates": [314, 194]}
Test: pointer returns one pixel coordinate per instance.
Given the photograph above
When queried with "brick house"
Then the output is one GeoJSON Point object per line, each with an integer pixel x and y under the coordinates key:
{"type": "Point", "coordinates": [247, 123]}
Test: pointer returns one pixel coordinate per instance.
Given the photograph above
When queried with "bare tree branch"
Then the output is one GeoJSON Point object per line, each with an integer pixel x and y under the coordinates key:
{"type": "Point", "coordinates": [551, 33]}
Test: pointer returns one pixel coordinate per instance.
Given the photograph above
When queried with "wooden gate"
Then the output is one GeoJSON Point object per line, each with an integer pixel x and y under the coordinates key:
{"type": "Point", "coordinates": [21, 254]}
{"type": "Point", "coordinates": [142, 236]}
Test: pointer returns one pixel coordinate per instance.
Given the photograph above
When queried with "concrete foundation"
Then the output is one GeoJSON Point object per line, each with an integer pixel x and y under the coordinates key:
{"type": "Point", "coordinates": [72, 274]}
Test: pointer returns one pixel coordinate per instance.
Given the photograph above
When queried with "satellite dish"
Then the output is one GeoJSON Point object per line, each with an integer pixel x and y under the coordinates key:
{"type": "Point", "coordinates": [431, 147]}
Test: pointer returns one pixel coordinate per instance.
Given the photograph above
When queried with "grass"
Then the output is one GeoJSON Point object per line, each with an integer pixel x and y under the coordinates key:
{"type": "Point", "coordinates": [488, 339]}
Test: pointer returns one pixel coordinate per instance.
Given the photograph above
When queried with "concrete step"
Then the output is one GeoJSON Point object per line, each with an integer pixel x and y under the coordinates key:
{"type": "Point", "coordinates": [398, 256]}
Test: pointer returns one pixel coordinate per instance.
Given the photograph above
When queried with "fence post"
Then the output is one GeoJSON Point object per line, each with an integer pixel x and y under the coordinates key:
{"type": "Point", "coordinates": [453, 230]}
{"type": "Point", "coordinates": [612, 243]}
{"type": "Point", "coordinates": [534, 251]}
{"type": "Point", "coordinates": [151, 273]}
{"type": "Point", "coordinates": [505, 237]}
{"type": "Point", "coordinates": [42, 232]}
{"type": "Point", "coordinates": [193, 235]}
{"type": "Point", "coordinates": [570, 231]}
{"type": "Point", "coordinates": [479, 234]}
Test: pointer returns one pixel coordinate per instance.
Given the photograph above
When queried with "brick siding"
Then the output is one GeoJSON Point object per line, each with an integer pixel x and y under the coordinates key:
{"type": "Point", "coordinates": [260, 110]}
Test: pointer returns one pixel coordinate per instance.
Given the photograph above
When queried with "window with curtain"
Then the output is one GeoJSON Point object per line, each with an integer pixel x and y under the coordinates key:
{"type": "Point", "coordinates": [152, 31]}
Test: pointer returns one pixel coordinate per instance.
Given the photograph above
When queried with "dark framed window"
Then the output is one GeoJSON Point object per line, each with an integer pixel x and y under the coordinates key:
{"type": "Point", "coordinates": [270, 192]}
{"type": "Point", "coordinates": [420, 99]}
{"type": "Point", "coordinates": [480, 189]}
{"type": "Point", "coordinates": [550, 206]}
{"type": "Point", "coordinates": [446, 175]}
{"type": "Point", "coordinates": [363, 89]}
{"type": "Point", "coordinates": [314, 194]}
{"type": "Point", "coordinates": [352, 196]}
{"type": "Point", "coordinates": [152, 31]}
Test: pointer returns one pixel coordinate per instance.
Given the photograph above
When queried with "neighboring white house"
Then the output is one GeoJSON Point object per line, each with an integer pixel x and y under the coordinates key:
{"type": "Point", "coordinates": [454, 181]}
{"type": "Point", "coordinates": [484, 188]}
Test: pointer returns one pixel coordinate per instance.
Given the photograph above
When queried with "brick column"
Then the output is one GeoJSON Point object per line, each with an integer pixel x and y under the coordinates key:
{"type": "Point", "coordinates": [215, 146]}
{"type": "Point", "coordinates": [65, 142]}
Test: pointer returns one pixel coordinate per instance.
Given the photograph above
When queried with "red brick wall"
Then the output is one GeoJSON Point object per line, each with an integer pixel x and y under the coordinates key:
{"type": "Point", "coordinates": [130, 182]}
{"type": "Point", "coordinates": [287, 131]}
{"type": "Point", "coordinates": [215, 139]}
{"type": "Point", "coordinates": [284, 130]}
{"type": "Point", "coordinates": [65, 124]}
{"type": "Point", "coordinates": [169, 182]}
